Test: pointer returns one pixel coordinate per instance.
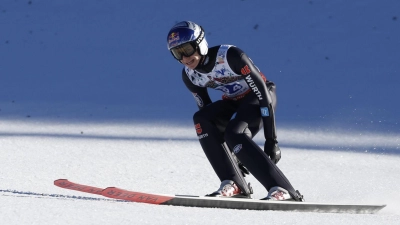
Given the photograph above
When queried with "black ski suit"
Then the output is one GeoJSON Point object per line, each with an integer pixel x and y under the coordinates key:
{"type": "Point", "coordinates": [237, 118]}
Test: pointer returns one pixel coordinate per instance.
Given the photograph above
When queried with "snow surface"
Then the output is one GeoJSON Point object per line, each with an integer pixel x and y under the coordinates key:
{"type": "Point", "coordinates": [89, 92]}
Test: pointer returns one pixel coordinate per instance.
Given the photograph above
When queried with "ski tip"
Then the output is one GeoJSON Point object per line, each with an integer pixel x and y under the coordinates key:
{"type": "Point", "coordinates": [107, 189]}
{"type": "Point", "coordinates": [59, 180]}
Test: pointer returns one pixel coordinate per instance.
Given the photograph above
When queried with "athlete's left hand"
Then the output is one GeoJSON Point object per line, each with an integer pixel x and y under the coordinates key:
{"type": "Point", "coordinates": [272, 149]}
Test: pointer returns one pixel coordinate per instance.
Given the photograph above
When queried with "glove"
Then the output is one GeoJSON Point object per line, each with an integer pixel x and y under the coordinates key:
{"type": "Point", "coordinates": [272, 149]}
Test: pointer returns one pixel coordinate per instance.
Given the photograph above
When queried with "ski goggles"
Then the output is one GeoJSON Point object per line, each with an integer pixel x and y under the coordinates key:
{"type": "Point", "coordinates": [187, 50]}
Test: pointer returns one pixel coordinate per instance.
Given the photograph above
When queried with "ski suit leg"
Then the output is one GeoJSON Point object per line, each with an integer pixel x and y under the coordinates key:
{"type": "Point", "coordinates": [239, 134]}
{"type": "Point", "coordinates": [210, 123]}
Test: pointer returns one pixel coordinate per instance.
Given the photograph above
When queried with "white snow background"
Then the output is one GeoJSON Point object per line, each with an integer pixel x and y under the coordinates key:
{"type": "Point", "coordinates": [89, 92]}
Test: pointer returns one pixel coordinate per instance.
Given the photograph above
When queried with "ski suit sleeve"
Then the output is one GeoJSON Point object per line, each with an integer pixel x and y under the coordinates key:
{"type": "Point", "coordinates": [200, 94]}
{"type": "Point", "coordinates": [240, 63]}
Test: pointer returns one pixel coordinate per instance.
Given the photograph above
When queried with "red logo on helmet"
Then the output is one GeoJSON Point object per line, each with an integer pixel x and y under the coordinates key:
{"type": "Point", "coordinates": [174, 36]}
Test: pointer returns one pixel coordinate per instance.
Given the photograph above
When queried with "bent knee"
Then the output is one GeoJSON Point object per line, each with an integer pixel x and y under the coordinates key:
{"type": "Point", "coordinates": [199, 116]}
{"type": "Point", "coordinates": [236, 131]}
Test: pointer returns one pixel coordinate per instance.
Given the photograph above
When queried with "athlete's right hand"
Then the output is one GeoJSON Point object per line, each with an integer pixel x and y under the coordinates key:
{"type": "Point", "coordinates": [272, 149]}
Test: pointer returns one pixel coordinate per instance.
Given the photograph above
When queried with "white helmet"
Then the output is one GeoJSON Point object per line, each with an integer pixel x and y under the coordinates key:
{"type": "Point", "coordinates": [187, 32]}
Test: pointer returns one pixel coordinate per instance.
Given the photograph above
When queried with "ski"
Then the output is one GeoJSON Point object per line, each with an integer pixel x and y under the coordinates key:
{"type": "Point", "coordinates": [220, 202]}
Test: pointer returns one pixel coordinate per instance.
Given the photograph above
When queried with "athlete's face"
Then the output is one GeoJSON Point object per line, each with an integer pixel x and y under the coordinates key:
{"type": "Point", "coordinates": [192, 61]}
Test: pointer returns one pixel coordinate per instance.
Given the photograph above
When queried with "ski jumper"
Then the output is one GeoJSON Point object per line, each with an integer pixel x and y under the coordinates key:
{"type": "Point", "coordinates": [247, 104]}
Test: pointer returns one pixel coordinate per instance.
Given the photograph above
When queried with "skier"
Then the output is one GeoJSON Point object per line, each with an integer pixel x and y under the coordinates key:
{"type": "Point", "coordinates": [228, 125]}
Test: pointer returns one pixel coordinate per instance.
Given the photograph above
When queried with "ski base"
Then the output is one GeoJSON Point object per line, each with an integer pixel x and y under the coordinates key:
{"type": "Point", "coordinates": [218, 202]}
